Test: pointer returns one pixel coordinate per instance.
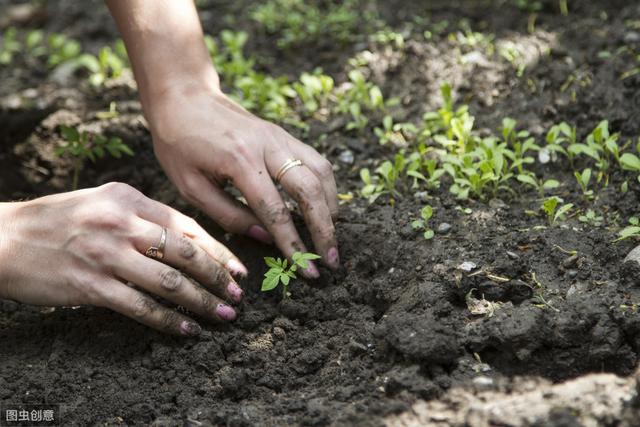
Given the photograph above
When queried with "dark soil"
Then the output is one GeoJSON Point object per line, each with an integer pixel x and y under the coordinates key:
{"type": "Point", "coordinates": [393, 326]}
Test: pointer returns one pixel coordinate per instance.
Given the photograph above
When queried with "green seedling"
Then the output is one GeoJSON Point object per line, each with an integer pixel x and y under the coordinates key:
{"type": "Point", "coordinates": [62, 49]}
{"type": "Point", "coordinates": [557, 136]}
{"type": "Point", "coordinates": [423, 222]}
{"type": "Point", "coordinates": [591, 218]}
{"type": "Point", "coordinates": [107, 65]}
{"type": "Point", "coordinates": [630, 231]}
{"type": "Point", "coordinates": [9, 46]}
{"type": "Point", "coordinates": [304, 22]}
{"type": "Point", "coordinates": [424, 170]}
{"type": "Point", "coordinates": [583, 180]}
{"type": "Point", "coordinates": [630, 162]}
{"type": "Point", "coordinates": [314, 90]}
{"type": "Point", "coordinates": [541, 185]}
{"type": "Point", "coordinates": [82, 145]}
{"type": "Point", "coordinates": [396, 133]}
{"type": "Point", "coordinates": [280, 271]}
{"type": "Point", "coordinates": [554, 210]}
{"type": "Point", "coordinates": [385, 180]}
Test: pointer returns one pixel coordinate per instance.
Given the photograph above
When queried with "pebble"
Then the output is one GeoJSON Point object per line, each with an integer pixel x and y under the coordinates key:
{"type": "Point", "coordinates": [572, 273]}
{"type": "Point", "coordinates": [632, 37]}
{"type": "Point", "coordinates": [346, 157]}
{"type": "Point", "coordinates": [418, 268]}
{"type": "Point", "coordinates": [513, 255]}
{"type": "Point", "coordinates": [421, 195]}
{"type": "Point", "coordinates": [467, 266]}
{"type": "Point", "coordinates": [444, 227]}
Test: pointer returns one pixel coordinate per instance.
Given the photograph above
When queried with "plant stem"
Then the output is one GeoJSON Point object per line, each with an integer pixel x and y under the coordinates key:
{"type": "Point", "coordinates": [564, 7]}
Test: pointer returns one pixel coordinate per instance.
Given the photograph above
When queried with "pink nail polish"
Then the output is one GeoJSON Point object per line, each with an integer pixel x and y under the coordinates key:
{"type": "Point", "coordinates": [225, 312]}
{"type": "Point", "coordinates": [333, 258]}
{"type": "Point", "coordinates": [236, 268]}
{"type": "Point", "coordinates": [259, 233]}
{"type": "Point", "coordinates": [190, 329]}
{"type": "Point", "coordinates": [311, 271]}
{"type": "Point", "coordinates": [234, 292]}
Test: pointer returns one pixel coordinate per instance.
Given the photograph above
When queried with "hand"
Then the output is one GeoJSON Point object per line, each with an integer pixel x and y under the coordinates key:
{"type": "Point", "coordinates": [87, 246]}
{"type": "Point", "coordinates": [203, 139]}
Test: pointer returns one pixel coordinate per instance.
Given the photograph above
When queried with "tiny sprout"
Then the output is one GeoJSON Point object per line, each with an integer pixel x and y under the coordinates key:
{"type": "Point", "coordinates": [423, 223]}
{"type": "Point", "coordinates": [583, 180]}
{"type": "Point", "coordinates": [632, 230]}
{"type": "Point", "coordinates": [591, 218]}
{"type": "Point", "coordinates": [281, 272]}
{"type": "Point", "coordinates": [82, 145]}
{"type": "Point", "coordinates": [554, 213]}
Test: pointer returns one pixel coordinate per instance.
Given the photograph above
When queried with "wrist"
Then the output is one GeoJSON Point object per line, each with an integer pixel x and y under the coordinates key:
{"type": "Point", "coordinates": [7, 229]}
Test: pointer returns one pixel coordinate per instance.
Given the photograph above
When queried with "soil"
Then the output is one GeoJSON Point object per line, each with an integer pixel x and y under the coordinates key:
{"type": "Point", "coordinates": [392, 332]}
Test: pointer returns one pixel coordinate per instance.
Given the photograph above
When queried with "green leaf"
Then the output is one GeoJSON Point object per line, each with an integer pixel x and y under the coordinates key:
{"type": "Point", "coordinates": [627, 232]}
{"type": "Point", "coordinates": [630, 161]}
{"type": "Point", "coordinates": [284, 278]}
{"type": "Point", "coordinates": [550, 184]}
{"type": "Point", "coordinates": [273, 263]}
{"type": "Point", "coordinates": [70, 134]}
{"type": "Point", "coordinates": [428, 234]}
{"type": "Point", "coordinates": [527, 179]}
{"type": "Point", "coordinates": [426, 213]}
{"type": "Point", "coordinates": [563, 210]}
{"type": "Point", "coordinates": [270, 282]}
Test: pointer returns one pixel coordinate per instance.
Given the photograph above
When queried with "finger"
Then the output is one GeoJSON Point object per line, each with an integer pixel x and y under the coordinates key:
{"type": "Point", "coordinates": [228, 212]}
{"type": "Point", "coordinates": [170, 218]}
{"type": "Point", "coordinates": [263, 197]}
{"type": "Point", "coordinates": [142, 308]}
{"type": "Point", "coordinates": [322, 168]}
{"type": "Point", "coordinates": [168, 283]}
{"type": "Point", "coordinates": [181, 252]}
{"type": "Point", "coordinates": [303, 185]}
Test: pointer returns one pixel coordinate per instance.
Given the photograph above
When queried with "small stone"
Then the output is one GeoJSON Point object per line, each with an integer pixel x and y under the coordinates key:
{"type": "Point", "coordinates": [444, 228]}
{"type": "Point", "coordinates": [572, 274]}
{"type": "Point", "coordinates": [483, 381]}
{"type": "Point", "coordinates": [418, 268]}
{"type": "Point", "coordinates": [467, 266]}
{"type": "Point", "coordinates": [513, 255]}
{"type": "Point", "coordinates": [570, 261]}
{"type": "Point", "coordinates": [346, 157]}
{"type": "Point", "coordinates": [544, 156]}
{"type": "Point", "coordinates": [423, 196]}
{"type": "Point", "coordinates": [632, 37]}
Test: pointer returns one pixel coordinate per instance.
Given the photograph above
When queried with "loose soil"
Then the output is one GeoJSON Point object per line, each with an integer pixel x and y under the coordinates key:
{"type": "Point", "coordinates": [393, 327]}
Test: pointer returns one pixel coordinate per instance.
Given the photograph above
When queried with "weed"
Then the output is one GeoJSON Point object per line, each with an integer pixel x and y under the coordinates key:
{"type": "Point", "coordinates": [630, 231]}
{"type": "Point", "coordinates": [9, 46]}
{"type": "Point", "coordinates": [583, 180]}
{"type": "Point", "coordinates": [281, 272]}
{"type": "Point", "coordinates": [385, 180]}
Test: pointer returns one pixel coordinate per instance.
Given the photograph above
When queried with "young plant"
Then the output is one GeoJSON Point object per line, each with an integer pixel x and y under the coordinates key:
{"type": "Point", "coordinates": [530, 179]}
{"type": "Point", "coordinates": [9, 46]}
{"type": "Point", "coordinates": [396, 133]}
{"type": "Point", "coordinates": [423, 222]}
{"type": "Point", "coordinates": [107, 65]}
{"type": "Point", "coordinates": [583, 180]}
{"type": "Point", "coordinates": [314, 90]}
{"type": "Point", "coordinates": [554, 210]}
{"type": "Point", "coordinates": [62, 49]}
{"type": "Point", "coordinates": [82, 146]}
{"type": "Point", "coordinates": [385, 180]}
{"type": "Point", "coordinates": [280, 271]}
{"type": "Point", "coordinates": [591, 218]}
{"type": "Point", "coordinates": [632, 230]}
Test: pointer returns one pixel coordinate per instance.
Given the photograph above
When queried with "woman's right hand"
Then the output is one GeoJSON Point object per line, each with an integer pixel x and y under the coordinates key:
{"type": "Point", "coordinates": [87, 248]}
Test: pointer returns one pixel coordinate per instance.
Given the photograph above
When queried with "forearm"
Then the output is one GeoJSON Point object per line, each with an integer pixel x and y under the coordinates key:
{"type": "Point", "coordinates": [165, 43]}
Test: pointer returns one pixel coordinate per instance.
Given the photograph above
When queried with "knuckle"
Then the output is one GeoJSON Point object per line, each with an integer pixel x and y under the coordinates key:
{"type": "Point", "coordinates": [144, 307]}
{"type": "Point", "coordinates": [219, 274]}
{"type": "Point", "coordinates": [276, 213]}
{"type": "Point", "coordinates": [120, 190]}
{"type": "Point", "coordinates": [311, 190]}
{"type": "Point", "coordinates": [171, 280]}
{"type": "Point", "coordinates": [169, 320]}
{"type": "Point", "coordinates": [189, 189]}
{"type": "Point", "coordinates": [325, 169]}
{"type": "Point", "coordinates": [87, 246]}
{"type": "Point", "coordinates": [186, 248]}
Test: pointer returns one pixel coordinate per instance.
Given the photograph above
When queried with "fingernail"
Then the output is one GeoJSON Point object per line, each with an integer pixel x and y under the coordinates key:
{"type": "Point", "coordinates": [234, 292]}
{"type": "Point", "coordinates": [225, 312]}
{"type": "Point", "coordinates": [190, 329]}
{"type": "Point", "coordinates": [259, 233]}
{"type": "Point", "coordinates": [237, 268]}
{"type": "Point", "coordinates": [311, 271]}
{"type": "Point", "coordinates": [333, 258]}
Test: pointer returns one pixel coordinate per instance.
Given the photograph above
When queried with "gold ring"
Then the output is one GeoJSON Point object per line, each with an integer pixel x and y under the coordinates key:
{"type": "Point", "coordinates": [288, 164]}
{"type": "Point", "coordinates": [157, 252]}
